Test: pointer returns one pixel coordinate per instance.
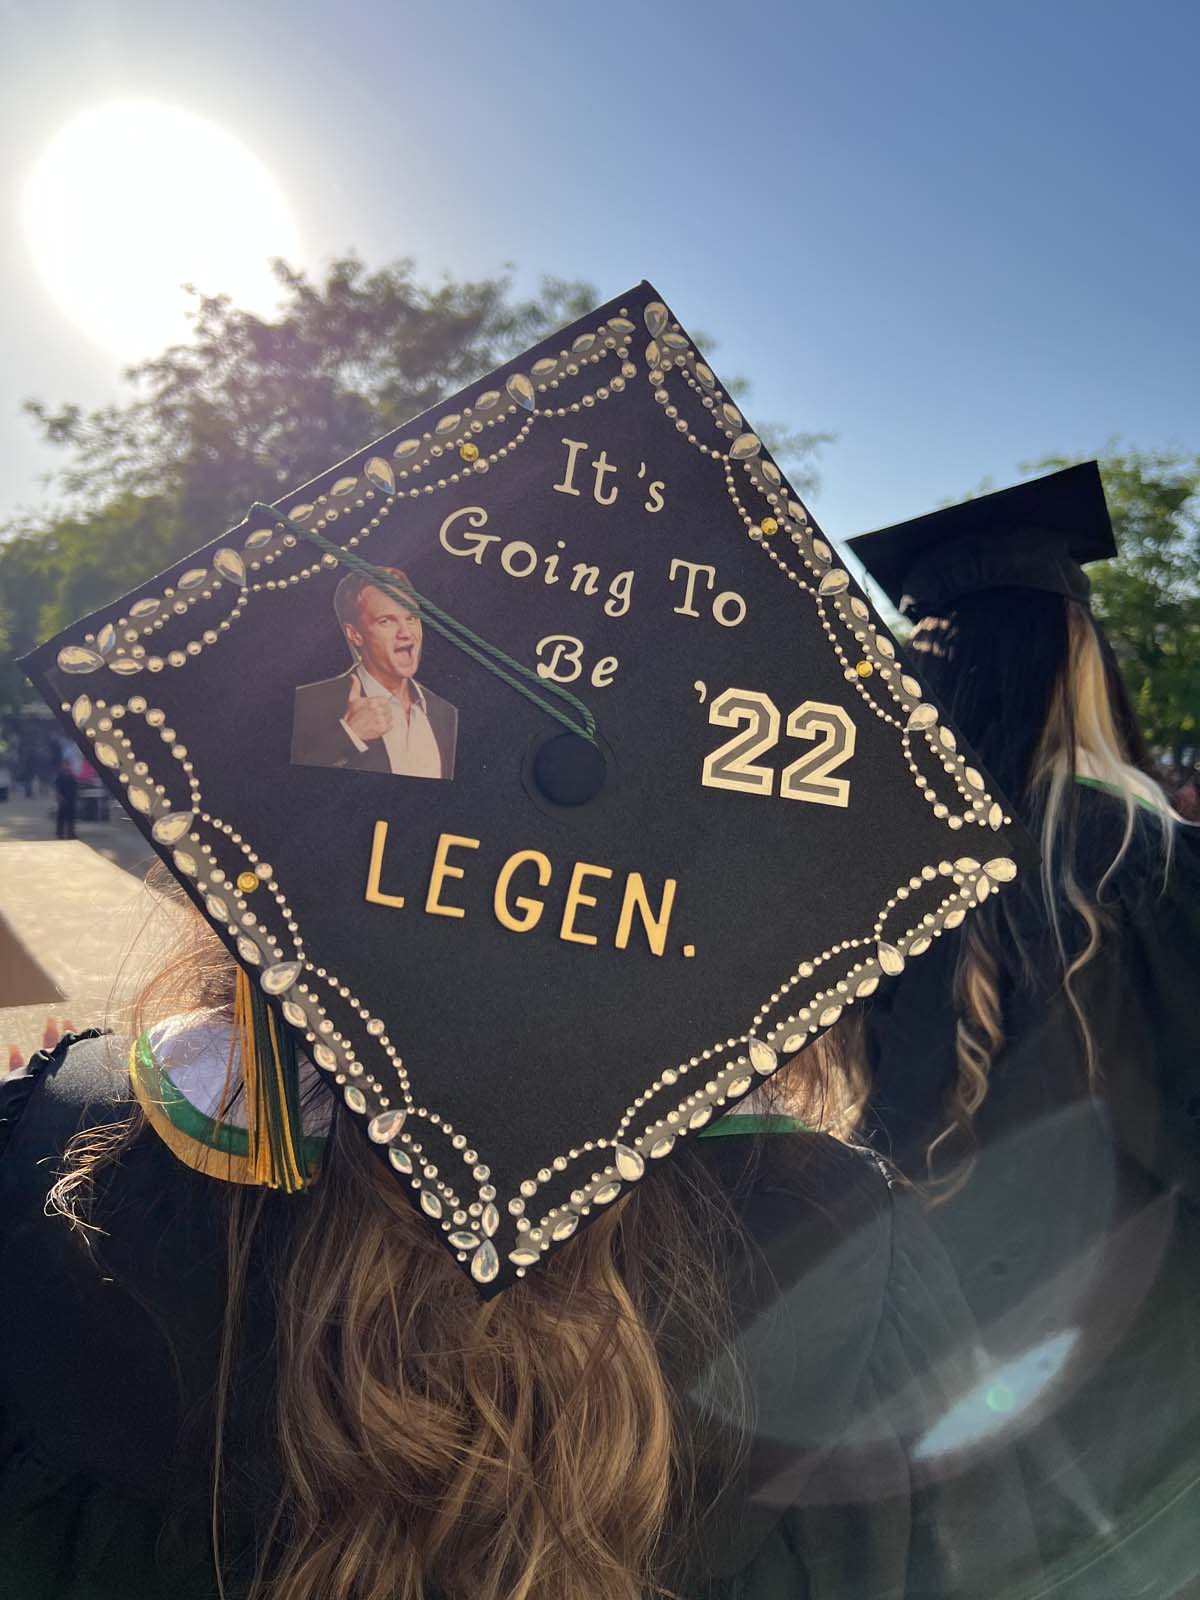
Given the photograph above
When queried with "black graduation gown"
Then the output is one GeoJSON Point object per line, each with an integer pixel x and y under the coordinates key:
{"type": "Point", "coordinates": [856, 1340]}
{"type": "Point", "coordinates": [1077, 1236]}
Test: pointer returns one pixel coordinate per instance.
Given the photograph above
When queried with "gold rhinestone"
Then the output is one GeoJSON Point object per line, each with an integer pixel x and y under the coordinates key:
{"type": "Point", "coordinates": [468, 451]}
{"type": "Point", "coordinates": [864, 669]}
{"type": "Point", "coordinates": [247, 882]}
{"type": "Point", "coordinates": [768, 525]}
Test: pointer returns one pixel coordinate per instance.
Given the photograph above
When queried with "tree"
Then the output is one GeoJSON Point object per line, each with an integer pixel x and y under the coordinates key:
{"type": "Point", "coordinates": [1149, 597]}
{"type": "Point", "coordinates": [249, 407]}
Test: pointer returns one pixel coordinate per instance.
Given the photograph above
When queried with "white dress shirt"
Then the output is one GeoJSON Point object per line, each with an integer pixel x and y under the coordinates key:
{"type": "Point", "coordinates": [411, 747]}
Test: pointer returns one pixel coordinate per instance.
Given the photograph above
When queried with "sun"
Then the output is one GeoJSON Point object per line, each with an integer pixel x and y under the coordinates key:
{"type": "Point", "coordinates": [131, 201]}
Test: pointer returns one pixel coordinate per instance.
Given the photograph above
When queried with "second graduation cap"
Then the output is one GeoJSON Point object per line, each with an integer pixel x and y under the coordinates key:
{"type": "Point", "coordinates": [1036, 535]}
{"type": "Point", "coordinates": [544, 768]}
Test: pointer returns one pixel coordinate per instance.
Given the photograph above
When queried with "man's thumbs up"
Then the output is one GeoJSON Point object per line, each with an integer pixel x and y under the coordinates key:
{"type": "Point", "coordinates": [368, 716]}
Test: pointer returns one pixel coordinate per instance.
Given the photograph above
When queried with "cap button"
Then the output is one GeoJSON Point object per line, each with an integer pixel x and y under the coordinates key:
{"type": "Point", "coordinates": [569, 770]}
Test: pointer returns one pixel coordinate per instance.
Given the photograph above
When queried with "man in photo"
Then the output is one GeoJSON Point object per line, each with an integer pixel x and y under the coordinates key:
{"type": "Point", "coordinates": [376, 717]}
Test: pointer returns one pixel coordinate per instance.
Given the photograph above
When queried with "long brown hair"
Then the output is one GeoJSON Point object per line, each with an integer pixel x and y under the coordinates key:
{"type": "Point", "coordinates": [547, 1445]}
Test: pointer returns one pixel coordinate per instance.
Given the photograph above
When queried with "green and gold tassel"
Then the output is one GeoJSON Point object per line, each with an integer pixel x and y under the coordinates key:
{"type": "Point", "coordinates": [271, 1084]}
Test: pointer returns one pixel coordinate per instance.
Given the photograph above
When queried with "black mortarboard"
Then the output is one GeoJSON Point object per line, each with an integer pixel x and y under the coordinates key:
{"type": "Point", "coordinates": [650, 803]}
{"type": "Point", "coordinates": [1036, 535]}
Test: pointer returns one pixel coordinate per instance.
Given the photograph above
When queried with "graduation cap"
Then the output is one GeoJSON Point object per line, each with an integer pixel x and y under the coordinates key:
{"type": "Point", "coordinates": [1036, 535]}
{"type": "Point", "coordinates": [545, 773]}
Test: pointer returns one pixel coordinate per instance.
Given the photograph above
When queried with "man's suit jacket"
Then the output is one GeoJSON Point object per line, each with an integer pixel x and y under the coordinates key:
{"type": "Point", "coordinates": [319, 740]}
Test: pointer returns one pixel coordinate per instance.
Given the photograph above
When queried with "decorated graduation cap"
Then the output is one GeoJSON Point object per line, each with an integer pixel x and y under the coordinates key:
{"type": "Point", "coordinates": [546, 775]}
{"type": "Point", "coordinates": [1036, 535]}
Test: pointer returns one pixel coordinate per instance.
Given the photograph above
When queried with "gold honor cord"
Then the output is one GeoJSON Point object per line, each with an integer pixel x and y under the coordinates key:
{"type": "Point", "coordinates": [500, 665]}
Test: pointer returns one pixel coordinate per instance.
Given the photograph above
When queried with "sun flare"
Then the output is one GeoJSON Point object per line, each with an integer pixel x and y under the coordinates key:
{"type": "Point", "coordinates": [133, 200]}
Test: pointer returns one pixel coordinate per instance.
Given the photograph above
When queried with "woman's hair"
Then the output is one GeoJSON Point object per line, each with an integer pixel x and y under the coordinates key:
{"type": "Point", "coordinates": [1031, 681]}
{"type": "Point", "coordinates": [562, 1441]}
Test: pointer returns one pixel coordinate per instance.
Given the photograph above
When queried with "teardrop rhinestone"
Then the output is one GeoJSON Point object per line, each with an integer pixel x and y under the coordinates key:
{"type": "Point", "coordinates": [763, 1058]}
{"type": "Point", "coordinates": [674, 341]}
{"type": "Point", "coordinates": [545, 368]}
{"type": "Point", "coordinates": [973, 777]}
{"type": "Point", "coordinates": [834, 581]}
{"type": "Point", "coordinates": [995, 815]}
{"type": "Point", "coordinates": [485, 1263]}
{"type": "Point", "coordinates": [217, 909]}
{"type": "Point", "coordinates": [139, 799]}
{"type": "Point", "coordinates": [248, 950]}
{"type": "Point", "coordinates": [699, 1117]}
{"type": "Point", "coordinates": [106, 639]}
{"type": "Point", "coordinates": [923, 716]}
{"type": "Point", "coordinates": [355, 1098]}
{"type": "Point", "coordinates": [342, 487]}
{"type": "Point", "coordinates": [731, 415]}
{"type": "Point", "coordinates": [447, 424]}
{"type": "Point", "coordinates": [325, 1057]}
{"type": "Point", "coordinates": [706, 375]}
{"type": "Point", "coordinates": [662, 1147]}
{"type": "Point", "coordinates": [464, 1241]}
{"type": "Point", "coordinates": [918, 946]}
{"type": "Point", "coordinates": [280, 976]}
{"type": "Point", "coordinates": [398, 1155]}
{"type": "Point", "coordinates": [490, 1219]}
{"type": "Point", "coordinates": [606, 1193]}
{"type": "Point", "coordinates": [521, 390]}
{"type": "Point", "coordinates": [295, 1014]}
{"type": "Point", "coordinates": [866, 987]}
{"type": "Point", "coordinates": [430, 1204]}
{"type": "Point", "coordinates": [744, 447]}
{"type": "Point", "coordinates": [301, 513]}
{"type": "Point", "coordinates": [954, 917]}
{"type": "Point", "coordinates": [1001, 870]}
{"type": "Point", "coordinates": [629, 1163]}
{"type": "Point", "coordinates": [655, 317]}
{"type": "Point", "coordinates": [253, 541]}
{"type": "Point", "coordinates": [564, 1227]}
{"type": "Point", "coordinates": [193, 578]}
{"type": "Point", "coordinates": [148, 606]}
{"type": "Point", "coordinates": [583, 344]}
{"type": "Point", "coordinates": [81, 710]}
{"type": "Point", "coordinates": [384, 1128]}
{"type": "Point", "coordinates": [78, 658]}
{"type": "Point", "coordinates": [889, 958]}
{"type": "Point", "coordinates": [125, 666]}
{"type": "Point", "coordinates": [231, 566]}
{"type": "Point", "coordinates": [406, 448]}
{"type": "Point", "coordinates": [738, 1087]}
{"type": "Point", "coordinates": [488, 400]}
{"type": "Point", "coordinates": [379, 472]}
{"type": "Point", "coordinates": [106, 755]}
{"type": "Point", "coordinates": [829, 1016]}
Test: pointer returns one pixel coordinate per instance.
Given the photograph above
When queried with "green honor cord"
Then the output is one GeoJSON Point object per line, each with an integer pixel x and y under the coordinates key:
{"type": "Point", "coordinates": [500, 665]}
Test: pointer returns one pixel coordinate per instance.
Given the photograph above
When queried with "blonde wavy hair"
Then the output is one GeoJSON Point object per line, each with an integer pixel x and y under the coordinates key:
{"type": "Point", "coordinates": [549, 1444]}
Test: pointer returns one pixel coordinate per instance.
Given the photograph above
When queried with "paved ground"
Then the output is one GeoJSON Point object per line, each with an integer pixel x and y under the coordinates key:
{"type": "Point", "coordinates": [79, 931]}
{"type": "Point", "coordinates": [118, 841]}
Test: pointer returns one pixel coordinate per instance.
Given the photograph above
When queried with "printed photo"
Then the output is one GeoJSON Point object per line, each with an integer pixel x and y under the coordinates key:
{"type": "Point", "coordinates": [377, 716]}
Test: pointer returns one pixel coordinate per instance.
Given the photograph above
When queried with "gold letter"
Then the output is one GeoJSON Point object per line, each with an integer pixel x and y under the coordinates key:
{"type": "Point", "coordinates": [656, 927]}
{"type": "Point", "coordinates": [374, 893]}
{"type": "Point", "coordinates": [532, 908]}
{"type": "Point", "coordinates": [576, 898]}
{"type": "Point", "coordinates": [442, 870]}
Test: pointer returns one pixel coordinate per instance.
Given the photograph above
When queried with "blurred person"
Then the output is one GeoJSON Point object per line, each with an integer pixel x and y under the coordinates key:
{"type": "Point", "coordinates": [1042, 1070]}
{"type": "Point", "coordinates": [66, 787]}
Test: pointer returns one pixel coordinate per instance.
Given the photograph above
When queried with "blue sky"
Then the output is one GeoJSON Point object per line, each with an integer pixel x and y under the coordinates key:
{"type": "Point", "coordinates": [958, 235]}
